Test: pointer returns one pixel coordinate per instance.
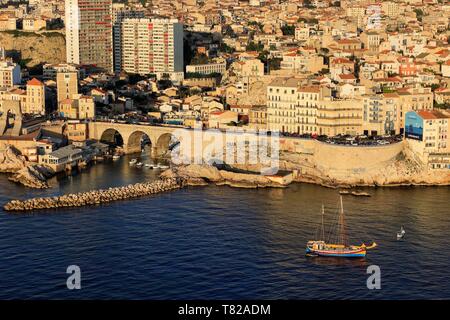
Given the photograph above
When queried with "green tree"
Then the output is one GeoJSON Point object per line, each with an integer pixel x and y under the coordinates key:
{"type": "Point", "coordinates": [288, 30]}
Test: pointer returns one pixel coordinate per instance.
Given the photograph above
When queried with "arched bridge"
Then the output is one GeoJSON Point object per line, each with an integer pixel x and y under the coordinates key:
{"type": "Point", "coordinates": [132, 134]}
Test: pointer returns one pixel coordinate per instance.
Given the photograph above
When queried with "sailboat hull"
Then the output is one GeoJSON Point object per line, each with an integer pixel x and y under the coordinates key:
{"type": "Point", "coordinates": [358, 253]}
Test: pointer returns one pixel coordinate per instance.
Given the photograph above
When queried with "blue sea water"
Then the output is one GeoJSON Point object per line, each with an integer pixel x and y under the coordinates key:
{"type": "Point", "coordinates": [221, 243]}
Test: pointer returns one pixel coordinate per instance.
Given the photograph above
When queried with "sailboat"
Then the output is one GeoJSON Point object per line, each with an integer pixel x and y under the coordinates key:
{"type": "Point", "coordinates": [341, 248]}
{"type": "Point", "coordinates": [401, 233]}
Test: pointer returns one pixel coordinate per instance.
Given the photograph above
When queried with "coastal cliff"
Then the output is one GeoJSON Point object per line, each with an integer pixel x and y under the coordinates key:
{"type": "Point", "coordinates": [34, 48]}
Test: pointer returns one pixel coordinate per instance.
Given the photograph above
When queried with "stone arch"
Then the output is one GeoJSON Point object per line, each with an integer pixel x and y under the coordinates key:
{"type": "Point", "coordinates": [164, 143]}
{"type": "Point", "coordinates": [135, 141]}
{"type": "Point", "coordinates": [11, 110]}
{"type": "Point", "coordinates": [112, 137]}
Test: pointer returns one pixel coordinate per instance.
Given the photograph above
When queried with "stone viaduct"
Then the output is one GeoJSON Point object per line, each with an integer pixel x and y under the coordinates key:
{"type": "Point", "coordinates": [132, 134]}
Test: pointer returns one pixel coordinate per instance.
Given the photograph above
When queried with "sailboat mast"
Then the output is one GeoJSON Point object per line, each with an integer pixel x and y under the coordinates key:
{"type": "Point", "coordinates": [343, 236]}
{"type": "Point", "coordinates": [323, 228]}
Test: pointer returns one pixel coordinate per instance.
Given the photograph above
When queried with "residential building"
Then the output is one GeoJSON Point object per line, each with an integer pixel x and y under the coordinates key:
{"type": "Point", "coordinates": [78, 107]}
{"type": "Point", "coordinates": [427, 133]}
{"type": "Point", "coordinates": [152, 46]}
{"type": "Point", "coordinates": [67, 85]}
{"type": "Point", "coordinates": [339, 116]}
{"type": "Point", "coordinates": [219, 67]}
{"type": "Point", "coordinates": [35, 103]}
{"type": "Point", "coordinates": [49, 71]}
{"type": "Point", "coordinates": [257, 118]}
{"type": "Point", "coordinates": [89, 33]}
{"type": "Point", "coordinates": [119, 13]}
{"type": "Point", "coordinates": [10, 74]}
{"type": "Point", "coordinates": [65, 157]}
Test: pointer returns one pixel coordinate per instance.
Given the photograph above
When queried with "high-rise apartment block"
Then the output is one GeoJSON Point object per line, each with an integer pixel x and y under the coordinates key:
{"type": "Point", "coordinates": [89, 33]}
{"type": "Point", "coordinates": [152, 46]}
{"type": "Point", "coordinates": [119, 13]}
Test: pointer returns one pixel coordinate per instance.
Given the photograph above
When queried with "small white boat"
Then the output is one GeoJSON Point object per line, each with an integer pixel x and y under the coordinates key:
{"type": "Point", "coordinates": [139, 164]}
{"type": "Point", "coordinates": [133, 161]}
{"type": "Point", "coordinates": [115, 157]}
{"type": "Point", "coordinates": [163, 167]}
{"type": "Point", "coordinates": [401, 233]}
{"type": "Point", "coordinates": [148, 165]}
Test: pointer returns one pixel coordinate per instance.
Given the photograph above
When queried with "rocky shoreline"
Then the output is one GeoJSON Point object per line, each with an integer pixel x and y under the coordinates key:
{"type": "Point", "coordinates": [95, 197]}
{"type": "Point", "coordinates": [200, 175]}
{"type": "Point", "coordinates": [28, 174]}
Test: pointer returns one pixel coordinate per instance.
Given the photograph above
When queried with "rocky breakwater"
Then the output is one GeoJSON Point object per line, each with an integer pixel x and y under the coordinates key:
{"type": "Point", "coordinates": [202, 174]}
{"type": "Point", "coordinates": [95, 197]}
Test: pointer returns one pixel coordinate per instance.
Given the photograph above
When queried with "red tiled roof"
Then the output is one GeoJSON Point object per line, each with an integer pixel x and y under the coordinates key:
{"type": "Point", "coordinates": [432, 114]}
{"type": "Point", "coordinates": [34, 82]}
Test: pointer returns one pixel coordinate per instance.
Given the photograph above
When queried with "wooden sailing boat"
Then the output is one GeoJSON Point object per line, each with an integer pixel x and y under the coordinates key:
{"type": "Point", "coordinates": [339, 249]}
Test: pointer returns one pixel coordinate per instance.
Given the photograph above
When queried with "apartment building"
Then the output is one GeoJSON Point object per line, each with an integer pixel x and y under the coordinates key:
{"type": "Point", "coordinates": [33, 24]}
{"type": "Point", "coordinates": [219, 67]}
{"type": "Point", "coordinates": [339, 116]}
{"type": "Point", "coordinates": [152, 46]}
{"type": "Point", "coordinates": [50, 71]}
{"type": "Point", "coordinates": [257, 118]}
{"type": "Point", "coordinates": [67, 85]}
{"type": "Point", "coordinates": [380, 115]}
{"type": "Point", "coordinates": [427, 133]}
{"type": "Point", "coordinates": [9, 73]}
{"type": "Point", "coordinates": [119, 13]}
{"type": "Point", "coordinates": [35, 103]}
{"type": "Point", "coordinates": [89, 33]}
{"type": "Point", "coordinates": [282, 111]}
{"type": "Point", "coordinates": [299, 62]}
{"type": "Point", "coordinates": [79, 107]}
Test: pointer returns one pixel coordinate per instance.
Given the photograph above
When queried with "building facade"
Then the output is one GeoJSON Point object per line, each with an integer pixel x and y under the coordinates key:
{"type": "Point", "coordinates": [67, 85]}
{"type": "Point", "coordinates": [89, 33]}
{"type": "Point", "coordinates": [35, 103]}
{"type": "Point", "coordinates": [151, 46]}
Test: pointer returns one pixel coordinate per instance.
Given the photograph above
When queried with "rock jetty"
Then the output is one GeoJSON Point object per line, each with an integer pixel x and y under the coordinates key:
{"type": "Point", "coordinates": [33, 176]}
{"type": "Point", "coordinates": [95, 197]}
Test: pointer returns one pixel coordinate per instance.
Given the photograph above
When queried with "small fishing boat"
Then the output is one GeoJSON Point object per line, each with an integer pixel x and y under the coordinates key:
{"type": "Point", "coordinates": [344, 192]}
{"type": "Point", "coordinates": [401, 233]}
{"type": "Point", "coordinates": [133, 161]}
{"type": "Point", "coordinates": [148, 165]}
{"type": "Point", "coordinates": [163, 167]}
{"type": "Point", "coordinates": [340, 248]}
{"type": "Point", "coordinates": [115, 157]}
{"type": "Point", "coordinates": [139, 164]}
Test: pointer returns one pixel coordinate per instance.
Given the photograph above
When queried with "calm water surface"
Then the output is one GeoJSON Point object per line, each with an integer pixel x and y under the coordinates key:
{"type": "Point", "coordinates": [221, 243]}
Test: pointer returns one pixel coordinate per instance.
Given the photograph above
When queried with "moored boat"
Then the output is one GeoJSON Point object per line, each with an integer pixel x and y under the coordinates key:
{"type": "Point", "coordinates": [115, 157]}
{"type": "Point", "coordinates": [133, 161]}
{"type": "Point", "coordinates": [401, 233]}
{"type": "Point", "coordinates": [339, 249]}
